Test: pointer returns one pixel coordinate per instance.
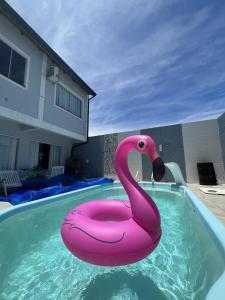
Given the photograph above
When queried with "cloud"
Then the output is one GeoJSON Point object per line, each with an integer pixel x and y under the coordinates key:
{"type": "Point", "coordinates": [151, 62]}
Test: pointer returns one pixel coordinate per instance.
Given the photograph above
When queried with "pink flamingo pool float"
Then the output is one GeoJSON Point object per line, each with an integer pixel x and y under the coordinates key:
{"type": "Point", "coordinates": [118, 232]}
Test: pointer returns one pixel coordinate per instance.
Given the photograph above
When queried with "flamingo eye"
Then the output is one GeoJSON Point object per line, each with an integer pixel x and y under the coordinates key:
{"type": "Point", "coordinates": [141, 145]}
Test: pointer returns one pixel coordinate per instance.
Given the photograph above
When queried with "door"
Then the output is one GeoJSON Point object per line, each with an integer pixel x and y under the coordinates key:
{"type": "Point", "coordinates": [43, 157]}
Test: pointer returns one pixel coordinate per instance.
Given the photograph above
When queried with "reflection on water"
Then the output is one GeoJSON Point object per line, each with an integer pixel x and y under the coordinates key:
{"type": "Point", "coordinates": [121, 285]}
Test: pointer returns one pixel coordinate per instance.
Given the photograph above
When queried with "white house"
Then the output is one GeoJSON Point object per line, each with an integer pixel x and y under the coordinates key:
{"type": "Point", "coordinates": [44, 104]}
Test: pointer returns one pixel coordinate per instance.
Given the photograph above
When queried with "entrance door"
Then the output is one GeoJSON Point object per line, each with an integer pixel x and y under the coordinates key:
{"type": "Point", "coordinates": [43, 158]}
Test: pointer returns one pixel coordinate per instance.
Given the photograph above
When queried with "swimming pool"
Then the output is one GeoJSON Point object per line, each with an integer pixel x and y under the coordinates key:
{"type": "Point", "coordinates": [34, 263]}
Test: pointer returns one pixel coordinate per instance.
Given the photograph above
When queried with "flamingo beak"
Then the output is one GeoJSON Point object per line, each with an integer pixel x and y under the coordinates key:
{"type": "Point", "coordinates": [158, 168]}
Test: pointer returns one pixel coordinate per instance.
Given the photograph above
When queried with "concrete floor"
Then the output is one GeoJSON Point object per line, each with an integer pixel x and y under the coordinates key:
{"type": "Point", "coordinates": [4, 205]}
{"type": "Point", "coordinates": [216, 203]}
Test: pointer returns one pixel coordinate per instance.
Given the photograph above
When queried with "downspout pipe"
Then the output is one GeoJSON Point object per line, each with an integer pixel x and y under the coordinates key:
{"type": "Point", "coordinates": [87, 134]}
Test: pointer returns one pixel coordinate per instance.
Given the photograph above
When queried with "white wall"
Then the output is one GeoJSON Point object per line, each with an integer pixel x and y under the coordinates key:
{"type": "Point", "coordinates": [135, 158]}
{"type": "Point", "coordinates": [202, 144]}
{"type": "Point", "coordinates": [36, 101]}
{"type": "Point", "coordinates": [19, 99]}
{"type": "Point", "coordinates": [13, 129]}
{"type": "Point", "coordinates": [54, 115]}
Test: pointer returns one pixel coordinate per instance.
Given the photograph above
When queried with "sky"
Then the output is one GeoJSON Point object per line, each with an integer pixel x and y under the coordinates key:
{"type": "Point", "coordinates": [151, 62]}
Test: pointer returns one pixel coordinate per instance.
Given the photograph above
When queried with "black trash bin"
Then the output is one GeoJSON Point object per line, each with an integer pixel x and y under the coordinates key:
{"type": "Point", "coordinates": [206, 173]}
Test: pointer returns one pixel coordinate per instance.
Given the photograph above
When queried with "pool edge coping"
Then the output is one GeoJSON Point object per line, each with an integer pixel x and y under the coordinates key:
{"type": "Point", "coordinates": [210, 220]}
{"type": "Point", "coordinates": [217, 290]}
{"type": "Point", "coordinates": [216, 228]}
{"type": "Point", "coordinates": [13, 210]}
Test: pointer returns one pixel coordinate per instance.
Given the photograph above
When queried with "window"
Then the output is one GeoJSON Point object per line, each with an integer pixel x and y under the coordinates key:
{"type": "Point", "coordinates": [7, 152]}
{"type": "Point", "coordinates": [55, 155]}
{"type": "Point", "coordinates": [12, 64]}
{"type": "Point", "coordinates": [34, 154]}
{"type": "Point", "coordinates": [68, 101]}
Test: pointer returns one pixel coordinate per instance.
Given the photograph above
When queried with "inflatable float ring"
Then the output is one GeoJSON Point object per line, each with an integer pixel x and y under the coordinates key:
{"type": "Point", "coordinates": [118, 232]}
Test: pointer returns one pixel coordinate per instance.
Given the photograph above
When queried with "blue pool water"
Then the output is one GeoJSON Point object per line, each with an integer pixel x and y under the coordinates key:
{"type": "Point", "coordinates": [34, 263]}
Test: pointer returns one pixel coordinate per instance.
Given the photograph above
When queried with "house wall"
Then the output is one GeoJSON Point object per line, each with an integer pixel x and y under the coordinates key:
{"type": "Point", "coordinates": [13, 96]}
{"type": "Point", "coordinates": [221, 124]}
{"type": "Point", "coordinates": [36, 102]}
{"type": "Point", "coordinates": [57, 116]}
{"type": "Point", "coordinates": [170, 139]}
{"type": "Point", "coordinates": [202, 144]}
{"type": "Point", "coordinates": [91, 157]}
{"type": "Point", "coordinates": [13, 129]}
{"type": "Point", "coordinates": [185, 144]}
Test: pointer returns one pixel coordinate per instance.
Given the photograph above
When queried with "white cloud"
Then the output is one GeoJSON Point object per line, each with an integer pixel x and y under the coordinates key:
{"type": "Point", "coordinates": [130, 65]}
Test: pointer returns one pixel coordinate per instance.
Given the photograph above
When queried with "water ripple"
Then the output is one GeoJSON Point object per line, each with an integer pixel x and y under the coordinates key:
{"type": "Point", "coordinates": [183, 266]}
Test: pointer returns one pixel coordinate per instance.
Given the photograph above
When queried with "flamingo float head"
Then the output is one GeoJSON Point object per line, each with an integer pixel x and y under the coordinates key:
{"type": "Point", "coordinates": [147, 146]}
{"type": "Point", "coordinates": [144, 144]}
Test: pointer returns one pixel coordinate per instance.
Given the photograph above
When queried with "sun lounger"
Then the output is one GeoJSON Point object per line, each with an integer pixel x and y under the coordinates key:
{"type": "Point", "coordinates": [9, 179]}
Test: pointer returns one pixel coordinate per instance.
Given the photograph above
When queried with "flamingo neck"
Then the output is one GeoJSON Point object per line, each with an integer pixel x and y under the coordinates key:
{"type": "Point", "coordinates": [144, 210]}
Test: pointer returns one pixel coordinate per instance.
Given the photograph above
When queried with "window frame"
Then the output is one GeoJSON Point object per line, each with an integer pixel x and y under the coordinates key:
{"type": "Point", "coordinates": [27, 65]}
{"type": "Point", "coordinates": [60, 154]}
{"type": "Point", "coordinates": [16, 149]}
{"type": "Point", "coordinates": [72, 93]}
{"type": "Point", "coordinates": [39, 141]}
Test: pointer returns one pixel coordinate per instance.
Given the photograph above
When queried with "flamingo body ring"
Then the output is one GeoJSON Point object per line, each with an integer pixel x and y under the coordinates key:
{"type": "Point", "coordinates": [118, 232]}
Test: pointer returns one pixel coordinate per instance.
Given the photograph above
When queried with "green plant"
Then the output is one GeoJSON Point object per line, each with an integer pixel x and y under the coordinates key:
{"type": "Point", "coordinates": [73, 165]}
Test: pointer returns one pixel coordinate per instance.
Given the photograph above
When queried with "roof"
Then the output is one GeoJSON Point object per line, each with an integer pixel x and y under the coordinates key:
{"type": "Point", "coordinates": [19, 22]}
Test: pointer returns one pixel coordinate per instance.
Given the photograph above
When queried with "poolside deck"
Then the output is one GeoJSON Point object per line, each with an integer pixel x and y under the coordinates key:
{"type": "Point", "coordinates": [216, 203]}
{"type": "Point", "coordinates": [4, 205]}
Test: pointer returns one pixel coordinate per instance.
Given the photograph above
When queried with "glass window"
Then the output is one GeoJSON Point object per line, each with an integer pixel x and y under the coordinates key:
{"type": "Point", "coordinates": [72, 104]}
{"type": "Point", "coordinates": [68, 101]}
{"type": "Point", "coordinates": [55, 154]}
{"type": "Point", "coordinates": [5, 55]}
{"type": "Point", "coordinates": [78, 108]}
{"type": "Point", "coordinates": [57, 94]}
{"type": "Point", "coordinates": [7, 152]}
{"type": "Point", "coordinates": [12, 64]}
{"type": "Point", "coordinates": [44, 155]}
{"type": "Point", "coordinates": [17, 68]}
{"type": "Point", "coordinates": [34, 152]}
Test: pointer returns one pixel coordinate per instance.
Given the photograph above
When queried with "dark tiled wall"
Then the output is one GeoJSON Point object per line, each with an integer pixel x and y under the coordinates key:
{"type": "Point", "coordinates": [91, 157]}
{"type": "Point", "coordinates": [170, 137]}
{"type": "Point", "coordinates": [99, 152]}
{"type": "Point", "coordinates": [221, 124]}
{"type": "Point", "coordinates": [97, 156]}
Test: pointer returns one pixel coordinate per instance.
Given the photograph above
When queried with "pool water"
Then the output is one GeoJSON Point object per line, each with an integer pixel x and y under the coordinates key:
{"type": "Point", "coordinates": [35, 264]}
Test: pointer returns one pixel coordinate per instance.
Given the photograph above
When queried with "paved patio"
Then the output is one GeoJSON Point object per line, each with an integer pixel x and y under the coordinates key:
{"type": "Point", "coordinates": [4, 205]}
{"type": "Point", "coordinates": [216, 203]}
